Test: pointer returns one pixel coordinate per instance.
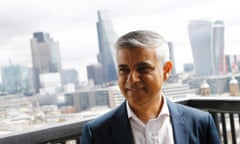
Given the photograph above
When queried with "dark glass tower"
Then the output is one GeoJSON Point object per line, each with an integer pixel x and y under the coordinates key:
{"type": "Point", "coordinates": [106, 39]}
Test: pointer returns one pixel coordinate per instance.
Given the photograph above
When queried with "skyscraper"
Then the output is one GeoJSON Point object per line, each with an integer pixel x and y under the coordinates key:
{"type": "Point", "coordinates": [45, 54]}
{"type": "Point", "coordinates": [218, 46]}
{"type": "Point", "coordinates": [17, 79]}
{"type": "Point", "coordinates": [106, 39]}
{"type": "Point", "coordinates": [207, 42]}
{"type": "Point", "coordinates": [172, 58]}
{"type": "Point", "coordinates": [70, 76]}
{"type": "Point", "coordinates": [231, 63]}
{"type": "Point", "coordinates": [94, 72]}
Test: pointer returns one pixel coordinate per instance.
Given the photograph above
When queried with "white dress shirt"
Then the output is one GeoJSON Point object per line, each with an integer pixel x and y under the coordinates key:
{"type": "Point", "coordinates": [156, 131]}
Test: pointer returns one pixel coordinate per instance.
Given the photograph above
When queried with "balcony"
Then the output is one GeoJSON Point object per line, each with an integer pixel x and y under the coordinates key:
{"type": "Point", "coordinates": [225, 110]}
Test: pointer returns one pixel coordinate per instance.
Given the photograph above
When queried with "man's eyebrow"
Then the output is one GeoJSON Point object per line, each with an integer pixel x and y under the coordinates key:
{"type": "Point", "coordinates": [138, 64]}
{"type": "Point", "coordinates": [143, 64]}
{"type": "Point", "coordinates": [122, 65]}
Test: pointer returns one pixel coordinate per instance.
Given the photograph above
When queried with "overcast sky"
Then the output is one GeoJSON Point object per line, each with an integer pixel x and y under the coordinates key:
{"type": "Point", "coordinates": [73, 24]}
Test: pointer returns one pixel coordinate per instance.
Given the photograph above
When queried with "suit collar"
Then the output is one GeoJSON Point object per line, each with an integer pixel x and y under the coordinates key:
{"type": "Point", "coordinates": [122, 131]}
{"type": "Point", "coordinates": [121, 127]}
{"type": "Point", "coordinates": [178, 123]}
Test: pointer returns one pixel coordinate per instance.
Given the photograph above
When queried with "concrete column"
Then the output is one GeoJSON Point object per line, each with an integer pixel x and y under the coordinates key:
{"type": "Point", "coordinates": [204, 89]}
{"type": "Point", "coordinates": [233, 87]}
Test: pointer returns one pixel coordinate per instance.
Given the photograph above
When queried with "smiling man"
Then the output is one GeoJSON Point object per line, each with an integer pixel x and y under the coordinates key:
{"type": "Point", "coordinates": [147, 116]}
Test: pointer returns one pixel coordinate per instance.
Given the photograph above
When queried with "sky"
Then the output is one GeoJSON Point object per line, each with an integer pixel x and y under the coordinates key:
{"type": "Point", "coordinates": [73, 24]}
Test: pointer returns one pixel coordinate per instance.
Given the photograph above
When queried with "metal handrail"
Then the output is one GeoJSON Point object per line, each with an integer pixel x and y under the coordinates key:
{"type": "Point", "coordinates": [225, 111]}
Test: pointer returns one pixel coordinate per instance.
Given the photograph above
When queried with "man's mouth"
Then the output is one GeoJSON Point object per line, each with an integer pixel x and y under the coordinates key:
{"type": "Point", "coordinates": [134, 87]}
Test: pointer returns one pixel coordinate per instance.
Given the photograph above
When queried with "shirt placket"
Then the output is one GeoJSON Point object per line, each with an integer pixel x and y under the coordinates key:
{"type": "Point", "coordinates": [151, 132]}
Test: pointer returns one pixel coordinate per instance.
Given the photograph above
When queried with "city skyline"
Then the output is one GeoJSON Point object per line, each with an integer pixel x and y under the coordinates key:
{"type": "Point", "coordinates": [72, 24]}
{"type": "Point", "coordinates": [207, 42]}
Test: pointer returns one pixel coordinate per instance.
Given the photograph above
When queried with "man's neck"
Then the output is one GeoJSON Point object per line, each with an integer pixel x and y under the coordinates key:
{"type": "Point", "coordinates": [149, 111]}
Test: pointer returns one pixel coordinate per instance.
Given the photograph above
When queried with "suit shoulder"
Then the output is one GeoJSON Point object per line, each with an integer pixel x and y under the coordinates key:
{"type": "Point", "coordinates": [105, 118]}
{"type": "Point", "coordinates": [191, 112]}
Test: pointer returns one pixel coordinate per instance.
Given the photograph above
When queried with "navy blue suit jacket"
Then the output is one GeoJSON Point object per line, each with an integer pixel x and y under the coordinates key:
{"type": "Point", "coordinates": [190, 126]}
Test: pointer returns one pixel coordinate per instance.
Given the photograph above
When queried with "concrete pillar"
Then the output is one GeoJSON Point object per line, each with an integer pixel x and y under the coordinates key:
{"type": "Point", "coordinates": [233, 87]}
{"type": "Point", "coordinates": [204, 89]}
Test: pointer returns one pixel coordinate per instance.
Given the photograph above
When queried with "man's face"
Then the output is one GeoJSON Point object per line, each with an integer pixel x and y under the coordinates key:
{"type": "Point", "coordinates": [140, 76]}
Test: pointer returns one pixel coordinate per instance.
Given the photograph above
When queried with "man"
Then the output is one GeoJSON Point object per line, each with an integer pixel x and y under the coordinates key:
{"type": "Point", "coordinates": [147, 116]}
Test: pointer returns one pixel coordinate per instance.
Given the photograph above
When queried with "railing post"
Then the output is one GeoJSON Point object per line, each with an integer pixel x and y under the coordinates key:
{"type": "Point", "coordinates": [216, 120]}
{"type": "Point", "coordinates": [234, 139]}
{"type": "Point", "coordinates": [224, 128]}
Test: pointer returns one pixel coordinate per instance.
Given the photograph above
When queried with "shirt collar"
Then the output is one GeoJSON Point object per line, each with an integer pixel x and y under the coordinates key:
{"type": "Point", "coordinates": [164, 110]}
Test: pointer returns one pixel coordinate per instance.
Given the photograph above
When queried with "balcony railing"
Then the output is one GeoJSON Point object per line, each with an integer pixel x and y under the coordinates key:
{"type": "Point", "coordinates": [226, 114]}
{"type": "Point", "coordinates": [225, 110]}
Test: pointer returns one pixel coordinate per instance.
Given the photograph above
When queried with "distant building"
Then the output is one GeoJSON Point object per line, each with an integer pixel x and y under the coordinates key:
{"type": "Point", "coordinates": [188, 67]}
{"type": "Point", "coordinates": [172, 57]}
{"type": "Point", "coordinates": [231, 64]}
{"type": "Point", "coordinates": [70, 76]}
{"type": "Point", "coordinates": [17, 79]}
{"type": "Point", "coordinates": [106, 39]}
{"type": "Point", "coordinates": [32, 82]}
{"type": "Point", "coordinates": [177, 90]}
{"type": "Point", "coordinates": [207, 42]}
{"type": "Point", "coordinates": [50, 82]}
{"type": "Point", "coordinates": [218, 84]}
{"type": "Point", "coordinates": [95, 73]}
{"type": "Point", "coordinates": [109, 97]}
{"type": "Point", "coordinates": [45, 54]}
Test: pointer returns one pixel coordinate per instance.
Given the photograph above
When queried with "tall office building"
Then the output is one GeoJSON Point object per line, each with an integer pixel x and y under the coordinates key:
{"type": "Point", "coordinates": [16, 79]}
{"type": "Point", "coordinates": [231, 64]}
{"type": "Point", "coordinates": [218, 47]}
{"type": "Point", "coordinates": [188, 67]}
{"type": "Point", "coordinates": [106, 39]}
{"type": "Point", "coordinates": [207, 42]}
{"type": "Point", "coordinates": [70, 76]}
{"type": "Point", "coordinates": [45, 54]}
{"type": "Point", "coordinates": [172, 58]}
{"type": "Point", "coordinates": [95, 73]}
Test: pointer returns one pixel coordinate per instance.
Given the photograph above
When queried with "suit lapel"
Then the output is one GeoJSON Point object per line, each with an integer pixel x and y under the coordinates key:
{"type": "Point", "coordinates": [122, 131]}
{"type": "Point", "coordinates": [178, 123]}
{"type": "Point", "coordinates": [120, 126]}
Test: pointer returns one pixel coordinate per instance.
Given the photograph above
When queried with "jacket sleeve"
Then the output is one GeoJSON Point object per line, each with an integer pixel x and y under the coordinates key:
{"type": "Point", "coordinates": [86, 137]}
{"type": "Point", "coordinates": [213, 135]}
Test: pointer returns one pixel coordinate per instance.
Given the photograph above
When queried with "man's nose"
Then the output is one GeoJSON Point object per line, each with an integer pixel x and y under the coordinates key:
{"type": "Point", "coordinates": [133, 76]}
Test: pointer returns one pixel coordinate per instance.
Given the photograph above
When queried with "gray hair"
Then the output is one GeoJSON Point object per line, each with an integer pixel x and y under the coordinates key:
{"type": "Point", "coordinates": [145, 39]}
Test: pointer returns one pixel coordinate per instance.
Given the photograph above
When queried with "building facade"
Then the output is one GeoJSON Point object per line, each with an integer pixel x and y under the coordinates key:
{"type": "Point", "coordinates": [17, 79]}
{"type": "Point", "coordinates": [45, 55]}
{"type": "Point", "coordinates": [110, 97]}
{"type": "Point", "coordinates": [207, 42]}
{"type": "Point", "coordinates": [188, 67]}
{"type": "Point", "coordinates": [70, 76]}
{"type": "Point", "coordinates": [231, 64]}
{"type": "Point", "coordinates": [106, 39]}
{"type": "Point", "coordinates": [172, 58]}
{"type": "Point", "coordinates": [95, 73]}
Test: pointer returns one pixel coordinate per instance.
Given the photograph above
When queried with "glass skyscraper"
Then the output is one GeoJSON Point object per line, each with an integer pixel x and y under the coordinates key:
{"type": "Point", "coordinates": [106, 39]}
{"type": "Point", "coordinates": [172, 58]}
{"type": "Point", "coordinates": [15, 79]}
{"type": "Point", "coordinates": [207, 42]}
{"type": "Point", "coordinates": [45, 55]}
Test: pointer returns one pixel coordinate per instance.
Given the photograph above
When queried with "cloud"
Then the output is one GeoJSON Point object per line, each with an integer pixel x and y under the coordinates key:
{"type": "Point", "coordinates": [73, 23]}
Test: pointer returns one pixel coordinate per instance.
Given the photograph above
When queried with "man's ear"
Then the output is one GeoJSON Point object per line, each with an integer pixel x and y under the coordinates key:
{"type": "Point", "coordinates": [167, 70]}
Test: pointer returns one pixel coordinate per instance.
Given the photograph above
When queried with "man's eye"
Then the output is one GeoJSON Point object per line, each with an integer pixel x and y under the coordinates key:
{"type": "Point", "coordinates": [123, 70]}
{"type": "Point", "coordinates": [144, 69]}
